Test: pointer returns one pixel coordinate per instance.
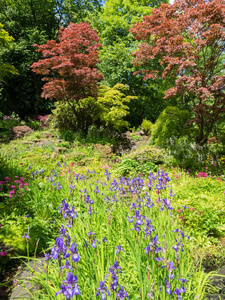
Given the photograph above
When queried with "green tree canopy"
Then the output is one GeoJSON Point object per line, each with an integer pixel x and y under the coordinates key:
{"type": "Point", "coordinates": [116, 65]}
{"type": "Point", "coordinates": [5, 43]}
{"type": "Point", "coordinates": [28, 22]}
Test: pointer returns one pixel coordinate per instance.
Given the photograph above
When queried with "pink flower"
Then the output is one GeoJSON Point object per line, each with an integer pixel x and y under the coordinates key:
{"type": "Point", "coordinates": [10, 196]}
{"type": "Point", "coordinates": [12, 187]}
{"type": "Point", "coordinates": [206, 168]}
{"type": "Point", "coordinates": [179, 210]}
{"type": "Point", "coordinates": [188, 172]}
{"type": "Point", "coordinates": [199, 212]}
{"type": "Point", "coordinates": [2, 182]}
{"type": "Point", "coordinates": [192, 208]}
{"type": "Point", "coordinates": [25, 183]}
{"type": "Point", "coordinates": [12, 192]}
{"type": "Point", "coordinates": [7, 179]}
{"type": "Point", "coordinates": [3, 253]}
{"type": "Point", "coordinates": [214, 165]}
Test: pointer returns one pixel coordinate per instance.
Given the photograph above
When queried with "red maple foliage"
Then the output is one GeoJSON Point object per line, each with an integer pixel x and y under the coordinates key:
{"type": "Point", "coordinates": [69, 66]}
{"type": "Point", "coordinates": [188, 38]}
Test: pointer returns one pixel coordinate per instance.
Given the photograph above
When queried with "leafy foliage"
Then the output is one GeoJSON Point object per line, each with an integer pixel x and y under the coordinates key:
{"type": "Point", "coordinates": [29, 22]}
{"type": "Point", "coordinates": [188, 37]}
{"type": "Point", "coordinates": [69, 65]}
{"type": "Point", "coordinates": [146, 125]}
{"type": "Point", "coordinates": [107, 109]}
{"type": "Point", "coordinates": [5, 43]}
{"type": "Point", "coordinates": [116, 64]}
{"type": "Point", "coordinates": [142, 161]}
{"type": "Point", "coordinates": [113, 109]}
{"type": "Point", "coordinates": [172, 122]}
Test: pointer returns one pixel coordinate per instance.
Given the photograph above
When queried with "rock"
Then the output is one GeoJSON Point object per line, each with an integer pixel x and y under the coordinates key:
{"type": "Point", "coordinates": [141, 133]}
{"type": "Point", "coordinates": [20, 131]}
{"type": "Point", "coordinates": [218, 282]}
{"type": "Point", "coordinates": [24, 287]}
{"type": "Point", "coordinates": [105, 150]}
{"type": "Point", "coordinates": [60, 149]}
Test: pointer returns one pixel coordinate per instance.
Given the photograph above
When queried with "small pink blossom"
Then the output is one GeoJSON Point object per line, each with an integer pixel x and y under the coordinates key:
{"type": "Point", "coordinates": [206, 168]}
{"type": "Point", "coordinates": [214, 165]}
{"type": "Point", "coordinates": [3, 253]}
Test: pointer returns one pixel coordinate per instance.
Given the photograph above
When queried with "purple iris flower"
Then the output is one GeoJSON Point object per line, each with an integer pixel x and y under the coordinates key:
{"type": "Point", "coordinates": [176, 248]}
{"type": "Point", "coordinates": [102, 289]}
{"type": "Point", "coordinates": [104, 240]}
{"type": "Point", "coordinates": [26, 235]}
{"type": "Point", "coordinates": [168, 290]}
{"type": "Point", "coordinates": [69, 288]}
{"type": "Point", "coordinates": [94, 244]}
{"type": "Point", "coordinates": [183, 280]}
{"type": "Point", "coordinates": [74, 252]}
{"type": "Point", "coordinates": [63, 231]}
{"type": "Point", "coordinates": [67, 266]}
{"type": "Point", "coordinates": [153, 246]}
{"type": "Point", "coordinates": [96, 189]}
{"type": "Point", "coordinates": [122, 294]}
{"type": "Point", "coordinates": [119, 248]}
{"type": "Point", "coordinates": [171, 267]}
{"type": "Point", "coordinates": [178, 292]}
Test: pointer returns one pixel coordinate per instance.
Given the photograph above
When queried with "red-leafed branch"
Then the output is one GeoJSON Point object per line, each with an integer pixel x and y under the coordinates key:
{"type": "Point", "coordinates": [69, 66]}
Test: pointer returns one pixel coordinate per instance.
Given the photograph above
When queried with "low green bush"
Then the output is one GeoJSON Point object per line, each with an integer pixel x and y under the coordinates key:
{"type": "Point", "coordinates": [172, 122]}
{"type": "Point", "coordinates": [146, 125]}
{"type": "Point", "coordinates": [142, 161]}
{"type": "Point", "coordinates": [8, 122]}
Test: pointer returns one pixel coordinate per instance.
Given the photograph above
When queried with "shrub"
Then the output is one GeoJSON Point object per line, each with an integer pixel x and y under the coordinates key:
{"type": "Point", "coordinates": [146, 125]}
{"type": "Point", "coordinates": [172, 122]}
{"type": "Point", "coordinates": [108, 109]}
{"type": "Point", "coordinates": [63, 117]}
{"type": "Point", "coordinates": [8, 122]}
{"type": "Point", "coordinates": [142, 161]}
{"type": "Point", "coordinates": [187, 154]}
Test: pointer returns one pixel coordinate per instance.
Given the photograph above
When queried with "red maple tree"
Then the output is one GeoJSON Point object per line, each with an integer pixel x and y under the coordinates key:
{"type": "Point", "coordinates": [69, 66]}
{"type": "Point", "coordinates": [188, 38]}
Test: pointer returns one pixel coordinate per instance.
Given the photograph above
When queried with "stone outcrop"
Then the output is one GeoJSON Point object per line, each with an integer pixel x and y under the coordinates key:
{"type": "Point", "coordinates": [18, 132]}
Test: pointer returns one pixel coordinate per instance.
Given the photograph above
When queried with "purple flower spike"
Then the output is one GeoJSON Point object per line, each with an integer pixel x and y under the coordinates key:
{"type": "Point", "coordinates": [122, 294]}
{"type": "Point", "coordinates": [69, 288]}
{"type": "Point", "coordinates": [119, 248]}
{"type": "Point", "coordinates": [102, 289]}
